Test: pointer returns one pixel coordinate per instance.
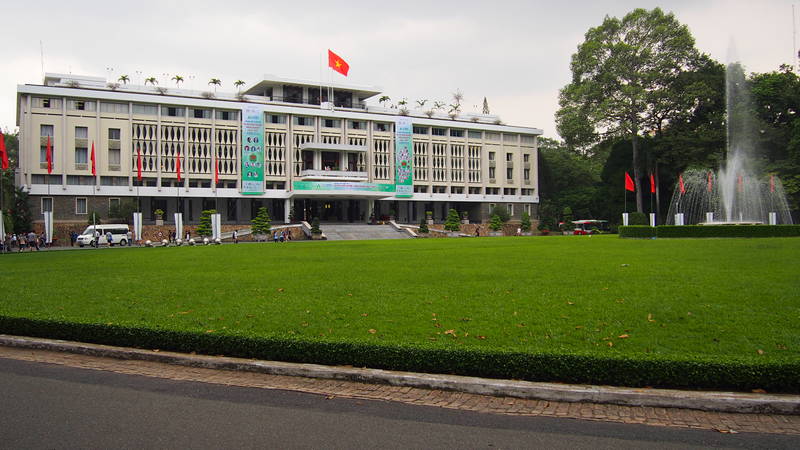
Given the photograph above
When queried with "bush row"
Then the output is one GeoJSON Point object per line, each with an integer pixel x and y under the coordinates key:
{"type": "Point", "coordinates": [709, 231]}
{"type": "Point", "coordinates": [647, 370]}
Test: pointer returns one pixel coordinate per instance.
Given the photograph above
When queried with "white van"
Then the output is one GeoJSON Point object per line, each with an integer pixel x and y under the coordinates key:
{"type": "Point", "coordinates": [119, 234]}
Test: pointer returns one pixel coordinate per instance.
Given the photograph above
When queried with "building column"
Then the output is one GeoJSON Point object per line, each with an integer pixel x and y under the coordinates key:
{"type": "Point", "coordinates": [287, 205]}
{"type": "Point", "coordinates": [370, 208]}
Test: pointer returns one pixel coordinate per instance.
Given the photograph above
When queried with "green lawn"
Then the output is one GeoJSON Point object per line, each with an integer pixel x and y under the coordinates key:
{"type": "Point", "coordinates": [693, 299]}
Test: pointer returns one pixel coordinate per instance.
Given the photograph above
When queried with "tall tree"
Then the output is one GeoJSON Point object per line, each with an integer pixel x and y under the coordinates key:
{"type": "Point", "coordinates": [623, 78]}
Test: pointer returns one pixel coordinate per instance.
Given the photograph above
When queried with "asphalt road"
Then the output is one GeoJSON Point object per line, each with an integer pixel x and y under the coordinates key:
{"type": "Point", "coordinates": [50, 406]}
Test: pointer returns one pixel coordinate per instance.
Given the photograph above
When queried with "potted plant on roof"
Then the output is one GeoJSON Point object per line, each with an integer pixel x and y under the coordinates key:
{"type": "Point", "coordinates": [159, 216]}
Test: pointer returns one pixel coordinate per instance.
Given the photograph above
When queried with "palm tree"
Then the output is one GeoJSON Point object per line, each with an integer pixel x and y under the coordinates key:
{"type": "Point", "coordinates": [178, 80]}
{"type": "Point", "coordinates": [383, 100]}
{"type": "Point", "coordinates": [124, 79]}
{"type": "Point", "coordinates": [403, 102]}
{"type": "Point", "coordinates": [238, 84]}
{"type": "Point", "coordinates": [421, 103]}
{"type": "Point", "coordinates": [216, 82]}
{"type": "Point", "coordinates": [151, 80]}
{"type": "Point", "coordinates": [438, 105]}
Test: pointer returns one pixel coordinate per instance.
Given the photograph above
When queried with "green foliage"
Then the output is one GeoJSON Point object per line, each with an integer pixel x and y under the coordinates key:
{"type": "Point", "coordinates": [625, 81]}
{"type": "Point", "coordinates": [637, 218]}
{"type": "Point", "coordinates": [453, 222]}
{"type": "Point", "coordinates": [204, 229]}
{"type": "Point", "coordinates": [567, 178]}
{"type": "Point", "coordinates": [710, 231]}
{"type": "Point", "coordinates": [123, 212]}
{"type": "Point", "coordinates": [292, 215]}
{"type": "Point", "coordinates": [496, 223]}
{"type": "Point", "coordinates": [525, 224]}
{"type": "Point", "coordinates": [261, 224]}
{"type": "Point", "coordinates": [315, 226]}
{"type": "Point", "coordinates": [423, 226]}
{"type": "Point", "coordinates": [666, 345]}
{"type": "Point", "coordinates": [500, 211]}
{"type": "Point", "coordinates": [21, 212]}
{"type": "Point", "coordinates": [159, 213]}
{"type": "Point", "coordinates": [94, 218]}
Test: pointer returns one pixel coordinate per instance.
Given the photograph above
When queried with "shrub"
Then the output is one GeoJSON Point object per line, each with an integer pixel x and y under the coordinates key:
{"type": "Point", "coordinates": [261, 223]}
{"type": "Point", "coordinates": [453, 222]}
{"type": "Point", "coordinates": [315, 226]}
{"type": "Point", "coordinates": [710, 231]}
{"type": "Point", "coordinates": [637, 218]}
{"type": "Point", "coordinates": [423, 226]}
{"type": "Point", "coordinates": [123, 211]}
{"type": "Point", "coordinates": [94, 218]}
{"type": "Point", "coordinates": [205, 222]}
{"type": "Point", "coordinates": [495, 223]}
{"type": "Point", "coordinates": [525, 225]}
{"type": "Point", "coordinates": [708, 372]}
{"type": "Point", "coordinates": [501, 212]}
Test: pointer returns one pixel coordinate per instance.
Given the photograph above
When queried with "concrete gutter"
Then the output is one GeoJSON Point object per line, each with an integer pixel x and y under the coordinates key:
{"type": "Point", "coordinates": [733, 402]}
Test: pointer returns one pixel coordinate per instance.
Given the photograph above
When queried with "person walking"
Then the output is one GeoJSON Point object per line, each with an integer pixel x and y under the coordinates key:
{"type": "Point", "coordinates": [14, 241]}
{"type": "Point", "coordinates": [235, 237]}
{"type": "Point", "coordinates": [129, 235]}
{"type": "Point", "coordinates": [73, 237]}
{"type": "Point", "coordinates": [33, 241]}
{"type": "Point", "coordinates": [109, 239]}
{"type": "Point", "coordinates": [23, 241]}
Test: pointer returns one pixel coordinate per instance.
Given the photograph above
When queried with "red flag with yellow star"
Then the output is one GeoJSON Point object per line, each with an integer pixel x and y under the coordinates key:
{"type": "Point", "coordinates": [338, 64]}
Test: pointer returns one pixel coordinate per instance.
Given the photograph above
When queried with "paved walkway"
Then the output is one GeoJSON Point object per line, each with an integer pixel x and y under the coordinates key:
{"type": "Point", "coordinates": [339, 231]}
{"type": "Point", "coordinates": [672, 417]}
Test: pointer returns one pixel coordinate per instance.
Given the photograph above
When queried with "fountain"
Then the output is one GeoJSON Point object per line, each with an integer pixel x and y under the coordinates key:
{"type": "Point", "coordinates": [735, 194]}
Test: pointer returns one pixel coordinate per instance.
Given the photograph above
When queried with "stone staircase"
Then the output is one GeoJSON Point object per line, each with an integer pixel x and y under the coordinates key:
{"type": "Point", "coordinates": [340, 231]}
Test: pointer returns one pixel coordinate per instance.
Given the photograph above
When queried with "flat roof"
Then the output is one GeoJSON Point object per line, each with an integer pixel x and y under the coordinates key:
{"type": "Point", "coordinates": [272, 80]}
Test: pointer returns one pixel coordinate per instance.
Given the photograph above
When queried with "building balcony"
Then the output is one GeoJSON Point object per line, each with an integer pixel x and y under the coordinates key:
{"type": "Point", "coordinates": [333, 175]}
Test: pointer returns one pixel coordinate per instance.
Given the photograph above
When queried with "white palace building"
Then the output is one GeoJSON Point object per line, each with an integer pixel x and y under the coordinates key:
{"type": "Point", "coordinates": [282, 143]}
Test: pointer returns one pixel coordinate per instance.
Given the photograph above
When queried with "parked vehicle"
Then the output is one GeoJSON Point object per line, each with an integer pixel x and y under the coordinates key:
{"type": "Point", "coordinates": [119, 235]}
{"type": "Point", "coordinates": [591, 226]}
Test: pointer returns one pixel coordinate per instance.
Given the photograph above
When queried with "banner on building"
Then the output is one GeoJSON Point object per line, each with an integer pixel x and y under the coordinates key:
{"type": "Point", "coordinates": [404, 156]}
{"type": "Point", "coordinates": [342, 186]}
{"type": "Point", "coordinates": [252, 150]}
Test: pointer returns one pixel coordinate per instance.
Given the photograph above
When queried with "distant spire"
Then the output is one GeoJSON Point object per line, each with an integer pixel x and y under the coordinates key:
{"type": "Point", "coordinates": [485, 106]}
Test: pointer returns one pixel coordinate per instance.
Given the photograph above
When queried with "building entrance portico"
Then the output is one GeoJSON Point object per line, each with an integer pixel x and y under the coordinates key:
{"type": "Point", "coordinates": [332, 210]}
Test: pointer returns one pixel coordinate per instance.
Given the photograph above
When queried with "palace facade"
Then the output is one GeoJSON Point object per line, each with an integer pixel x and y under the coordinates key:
{"type": "Point", "coordinates": [289, 145]}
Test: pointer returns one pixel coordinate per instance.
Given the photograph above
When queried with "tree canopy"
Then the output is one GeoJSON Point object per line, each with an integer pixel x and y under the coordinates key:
{"type": "Point", "coordinates": [625, 78]}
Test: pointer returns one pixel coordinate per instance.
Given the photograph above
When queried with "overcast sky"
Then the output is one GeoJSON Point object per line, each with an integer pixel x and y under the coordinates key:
{"type": "Point", "coordinates": [515, 53]}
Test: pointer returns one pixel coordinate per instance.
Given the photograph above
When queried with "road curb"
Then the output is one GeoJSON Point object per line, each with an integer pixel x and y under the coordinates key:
{"type": "Point", "coordinates": [734, 402]}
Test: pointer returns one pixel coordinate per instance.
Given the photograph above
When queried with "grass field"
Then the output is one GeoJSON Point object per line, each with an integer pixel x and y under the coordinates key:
{"type": "Point", "coordinates": [696, 299]}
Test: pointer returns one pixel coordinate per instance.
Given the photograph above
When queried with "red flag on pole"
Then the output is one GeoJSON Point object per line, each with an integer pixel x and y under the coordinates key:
{"type": "Point", "coordinates": [3, 152]}
{"type": "Point", "coordinates": [178, 169]}
{"type": "Point", "coordinates": [138, 164]}
{"type": "Point", "coordinates": [772, 183]}
{"type": "Point", "coordinates": [216, 172]}
{"type": "Point", "coordinates": [49, 156]}
{"type": "Point", "coordinates": [709, 182]}
{"type": "Point", "coordinates": [680, 184]}
{"type": "Point", "coordinates": [94, 163]}
{"type": "Point", "coordinates": [652, 184]}
{"type": "Point", "coordinates": [338, 64]}
{"type": "Point", "coordinates": [629, 183]}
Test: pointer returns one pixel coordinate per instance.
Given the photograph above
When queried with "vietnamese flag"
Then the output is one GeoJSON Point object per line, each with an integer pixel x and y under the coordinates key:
{"type": "Point", "coordinates": [49, 156]}
{"type": "Point", "coordinates": [652, 184]}
{"type": "Point", "coordinates": [680, 184]}
{"type": "Point", "coordinates": [772, 183]}
{"type": "Point", "coordinates": [94, 164]}
{"type": "Point", "coordinates": [178, 169]}
{"type": "Point", "coordinates": [629, 183]}
{"type": "Point", "coordinates": [3, 152]}
{"type": "Point", "coordinates": [216, 172]}
{"type": "Point", "coordinates": [338, 64]}
{"type": "Point", "coordinates": [138, 164]}
{"type": "Point", "coordinates": [709, 182]}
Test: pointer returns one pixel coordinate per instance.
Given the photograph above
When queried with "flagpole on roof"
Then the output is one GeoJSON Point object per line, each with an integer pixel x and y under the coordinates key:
{"type": "Point", "coordinates": [320, 79]}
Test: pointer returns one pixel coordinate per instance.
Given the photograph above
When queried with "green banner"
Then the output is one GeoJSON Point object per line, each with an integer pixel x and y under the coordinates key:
{"type": "Point", "coordinates": [341, 186]}
{"type": "Point", "coordinates": [252, 150]}
{"type": "Point", "coordinates": [403, 157]}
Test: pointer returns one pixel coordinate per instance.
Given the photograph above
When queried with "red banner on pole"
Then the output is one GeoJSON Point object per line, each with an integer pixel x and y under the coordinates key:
{"type": "Point", "coordinates": [629, 183]}
{"type": "Point", "coordinates": [680, 184]}
{"type": "Point", "coordinates": [49, 156]}
{"type": "Point", "coordinates": [138, 164]}
{"type": "Point", "coordinates": [94, 163]}
{"type": "Point", "coordinates": [3, 152]}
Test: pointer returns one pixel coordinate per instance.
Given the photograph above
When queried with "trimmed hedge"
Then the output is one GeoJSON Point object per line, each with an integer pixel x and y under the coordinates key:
{"type": "Point", "coordinates": [646, 370]}
{"type": "Point", "coordinates": [710, 231]}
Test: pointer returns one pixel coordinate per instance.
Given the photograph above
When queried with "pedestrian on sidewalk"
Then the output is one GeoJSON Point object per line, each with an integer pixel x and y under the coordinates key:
{"type": "Point", "coordinates": [235, 237]}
